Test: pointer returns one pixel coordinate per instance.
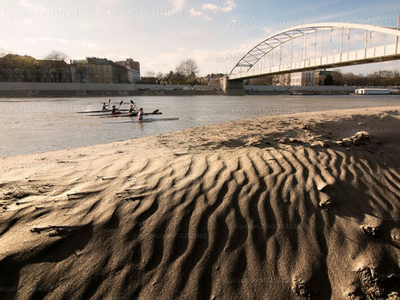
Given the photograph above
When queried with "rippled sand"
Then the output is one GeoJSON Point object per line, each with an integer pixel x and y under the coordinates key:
{"type": "Point", "coordinates": [289, 207]}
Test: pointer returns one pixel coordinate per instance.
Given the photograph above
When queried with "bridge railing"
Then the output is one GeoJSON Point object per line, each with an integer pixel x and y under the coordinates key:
{"type": "Point", "coordinates": [380, 53]}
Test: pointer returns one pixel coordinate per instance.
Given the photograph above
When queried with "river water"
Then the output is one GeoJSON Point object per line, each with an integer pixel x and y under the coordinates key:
{"type": "Point", "coordinates": [34, 125]}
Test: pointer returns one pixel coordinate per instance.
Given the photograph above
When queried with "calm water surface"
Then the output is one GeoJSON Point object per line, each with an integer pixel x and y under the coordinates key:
{"type": "Point", "coordinates": [39, 125]}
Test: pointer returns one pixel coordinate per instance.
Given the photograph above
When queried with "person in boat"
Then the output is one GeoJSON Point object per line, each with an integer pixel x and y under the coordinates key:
{"type": "Point", "coordinates": [114, 109]}
{"type": "Point", "coordinates": [131, 109]}
{"type": "Point", "coordinates": [105, 106]}
{"type": "Point", "coordinates": [140, 114]}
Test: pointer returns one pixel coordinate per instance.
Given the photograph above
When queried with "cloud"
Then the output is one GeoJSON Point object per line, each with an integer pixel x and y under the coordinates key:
{"type": "Point", "coordinates": [227, 7]}
{"type": "Point", "coordinates": [156, 66]}
{"type": "Point", "coordinates": [30, 5]}
{"type": "Point", "coordinates": [379, 39]}
{"type": "Point", "coordinates": [269, 30]}
{"type": "Point", "coordinates": [177, 4]}
{"type": "Point", "coordinates": [325, 3]}
{"type": "Point", "coordinates": [391, 66]}
{"type": "Point", "coordinates": [336, 16]}
{"type": "Point", "coordinates": [75, 43]}
{"type": "Point", "coordinates": [40, 39]}
{"type": "Point", "coordinates": [84, 25]}
{"type": "Point", "coordinates": [171, 56]}
{"type": "Point", "coordinates": [195, 13]}
{"type": "Point", "coordinates": [28, 21]}
{"type": "Point", "coordinates": [89, 44]}
{"type": "Point", "coordinates": [209, 6]}
{"type": "Point", "coordinates": [224, 56]}
{"type": "Point", "coordinates": [109, 2]}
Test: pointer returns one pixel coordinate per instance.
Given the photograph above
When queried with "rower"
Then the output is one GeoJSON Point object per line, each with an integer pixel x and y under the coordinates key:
{"type": "Point", "coordinates": [140, 114]}
{"type": "Point", "coordinates": [105, 106]}
{"type": "Point", "coordinates": [131, 109]}
{"type": "Point", "coordinates": [114, 110]}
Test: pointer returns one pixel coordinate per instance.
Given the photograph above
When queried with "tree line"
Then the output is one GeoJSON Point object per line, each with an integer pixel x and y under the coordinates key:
{"type": "Point", "coordinates": [380, 78]}
{"type": "Point", "coordinates": [185, 73]}
{"type": "Point", "coordinates": [28, 69]}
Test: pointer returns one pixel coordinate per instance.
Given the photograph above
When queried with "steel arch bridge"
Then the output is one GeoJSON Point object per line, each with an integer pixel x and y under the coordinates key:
{"type": "Point", "coordinates": [326, 55]}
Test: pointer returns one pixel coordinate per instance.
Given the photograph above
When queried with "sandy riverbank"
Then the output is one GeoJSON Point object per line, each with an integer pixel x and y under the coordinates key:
{"type": "Point", "coordinates": [287, 207]}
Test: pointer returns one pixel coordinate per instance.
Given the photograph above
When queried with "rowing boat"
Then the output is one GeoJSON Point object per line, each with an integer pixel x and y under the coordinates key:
{"type": "Point", "coordinates": [153, 120]}
{"type": "Point", "coordinates": [99, 111]}
{"type": "Point", "coordinates": [134, 114]}
{"type": "Point", "coordinates": [149, 120]}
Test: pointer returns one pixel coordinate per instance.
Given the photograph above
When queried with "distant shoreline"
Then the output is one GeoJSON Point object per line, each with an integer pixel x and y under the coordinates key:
{"type": "Point", "coordinates": [102, 93]}
{"type": "Point", "coordinates": [113, 93]}
{"type": "Point", "coordinates": [54, 90]}
{"type": "Point", "coordinates": [149, 93]}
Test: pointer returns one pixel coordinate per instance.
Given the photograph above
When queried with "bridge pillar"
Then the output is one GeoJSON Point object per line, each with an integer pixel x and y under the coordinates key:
{"type": "Point", "coordinates": [232, 87]}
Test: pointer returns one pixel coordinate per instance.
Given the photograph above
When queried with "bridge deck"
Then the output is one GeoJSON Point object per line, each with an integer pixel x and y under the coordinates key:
{"type": "Point", "coordinates": [370, 55]}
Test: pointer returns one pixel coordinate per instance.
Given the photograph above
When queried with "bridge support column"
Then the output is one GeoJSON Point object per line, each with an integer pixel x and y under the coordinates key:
{"type": "Point", "coordinates": [232, 87]}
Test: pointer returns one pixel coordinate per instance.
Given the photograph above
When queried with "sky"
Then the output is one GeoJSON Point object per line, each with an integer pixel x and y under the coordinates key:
{"type": "Point", "coordinates": [161, 34]}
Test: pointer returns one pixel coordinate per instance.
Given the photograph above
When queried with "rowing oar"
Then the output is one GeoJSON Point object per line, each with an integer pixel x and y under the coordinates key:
{"type": "Point", "coordinates": [154, 112]}
{"type": "Point", "coordinates": [134, 105]}
{"type": "Point", "coordinates": [120, 104]}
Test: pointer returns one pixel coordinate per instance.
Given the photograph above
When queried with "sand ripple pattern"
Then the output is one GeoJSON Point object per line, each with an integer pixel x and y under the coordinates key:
{"type": "Point", "coordinates": [246, 224]}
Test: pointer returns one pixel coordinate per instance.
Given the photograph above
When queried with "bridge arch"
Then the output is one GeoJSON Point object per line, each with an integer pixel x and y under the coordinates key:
{"type": "Point", "coordinates": [250, 59]}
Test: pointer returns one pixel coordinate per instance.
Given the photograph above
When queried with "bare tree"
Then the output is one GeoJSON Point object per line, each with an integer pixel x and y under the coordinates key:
{"type": "Point", "coordinates": [56, 56]}
{"type": "Point", "coordinates": [81, 71]}
{"type": "Point", "coordinates": [188, 68]}
{"type": "Point", "coordinates": [56, 63]}
{"type": "Point", "coordinates": [159, 76]}
{"type": "Point", "coordinates": [150, 74]}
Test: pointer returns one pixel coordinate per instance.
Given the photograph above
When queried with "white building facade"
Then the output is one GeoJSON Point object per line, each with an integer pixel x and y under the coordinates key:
{"type": "Point", "coordinates": [306, 78]}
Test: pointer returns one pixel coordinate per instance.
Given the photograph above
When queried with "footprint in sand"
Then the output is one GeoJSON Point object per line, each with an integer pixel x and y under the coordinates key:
{"type": "Point", "coordinates": [395, 235]}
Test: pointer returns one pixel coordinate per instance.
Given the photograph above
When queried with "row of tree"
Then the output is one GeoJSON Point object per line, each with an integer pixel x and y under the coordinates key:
{"type": "Point", "coordinates": [26, 68]}
{"type": "Point", "coordinates": [185, 73]}
{"type": "Point", "coordinates": [380, 78]}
